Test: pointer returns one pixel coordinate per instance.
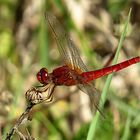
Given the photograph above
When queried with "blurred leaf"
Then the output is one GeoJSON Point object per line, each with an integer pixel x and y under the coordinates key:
{"type": "Point", "coordinates": [82, 133]}
{"type": "Point", "coordinates": [5, 43]}
{"type": "Point", "coordinates": [116, 6]}
{"type": "Point", "coordinates": [43, 43]}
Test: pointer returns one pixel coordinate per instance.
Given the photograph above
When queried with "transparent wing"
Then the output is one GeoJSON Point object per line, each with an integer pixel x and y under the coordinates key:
{"type": "Point", "coordinates": [67, 49]}
{"type": "Point", "coordinates": [71, 57]}
{"type": "Point", "coordinates": [93, 94]}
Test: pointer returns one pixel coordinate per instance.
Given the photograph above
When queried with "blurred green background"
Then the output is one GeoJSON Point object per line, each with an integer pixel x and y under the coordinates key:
{"type": "Point", "coordinates": [26, 45]}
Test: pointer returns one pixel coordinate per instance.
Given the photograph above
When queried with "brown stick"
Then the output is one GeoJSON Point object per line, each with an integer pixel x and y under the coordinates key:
{"type": "Point", "coordinates": [24, 116]}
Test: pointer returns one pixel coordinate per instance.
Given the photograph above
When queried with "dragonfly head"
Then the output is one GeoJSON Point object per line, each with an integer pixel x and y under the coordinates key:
{"type": "Point", "coordinates": [43, 76]}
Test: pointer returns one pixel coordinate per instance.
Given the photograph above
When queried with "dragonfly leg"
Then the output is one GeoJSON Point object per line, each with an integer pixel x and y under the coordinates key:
{"type": "Point", "coordinates": [41, 88]}
{"type": "Point", "coordinates": [36, 95]}
{"type": "Point", "coordinates": [46, 99]}
{"type": "Point", "coordinates": [49, 98]}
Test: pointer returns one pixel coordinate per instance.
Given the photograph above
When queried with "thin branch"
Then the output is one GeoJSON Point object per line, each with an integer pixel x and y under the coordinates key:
{"type": "Point", "coordinates": [19, 121]}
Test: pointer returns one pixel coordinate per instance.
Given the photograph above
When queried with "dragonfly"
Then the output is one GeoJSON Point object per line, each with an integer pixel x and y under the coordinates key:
{"type": "Point", "coordinates": [74, 71]}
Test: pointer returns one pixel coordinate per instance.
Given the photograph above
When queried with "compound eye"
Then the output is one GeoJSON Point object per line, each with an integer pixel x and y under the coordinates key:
{"type": "Point", "coordinates": [39, 77]}
{"type": "Point", "coordinates": [42, 76]}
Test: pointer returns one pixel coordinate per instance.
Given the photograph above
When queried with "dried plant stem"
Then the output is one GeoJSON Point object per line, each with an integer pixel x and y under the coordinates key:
{"type": "Point", "coordinates": [23, 117]}
{"type": "Point", "coordinates": [33, 96]}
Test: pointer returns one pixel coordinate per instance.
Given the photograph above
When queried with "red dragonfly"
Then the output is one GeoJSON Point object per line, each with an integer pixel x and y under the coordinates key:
{"type": "Point", "coordinates": [74, 71]}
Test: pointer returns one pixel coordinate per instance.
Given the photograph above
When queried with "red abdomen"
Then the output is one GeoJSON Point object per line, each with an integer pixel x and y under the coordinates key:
{"type": "Point", "coordinates": [92, 75]}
